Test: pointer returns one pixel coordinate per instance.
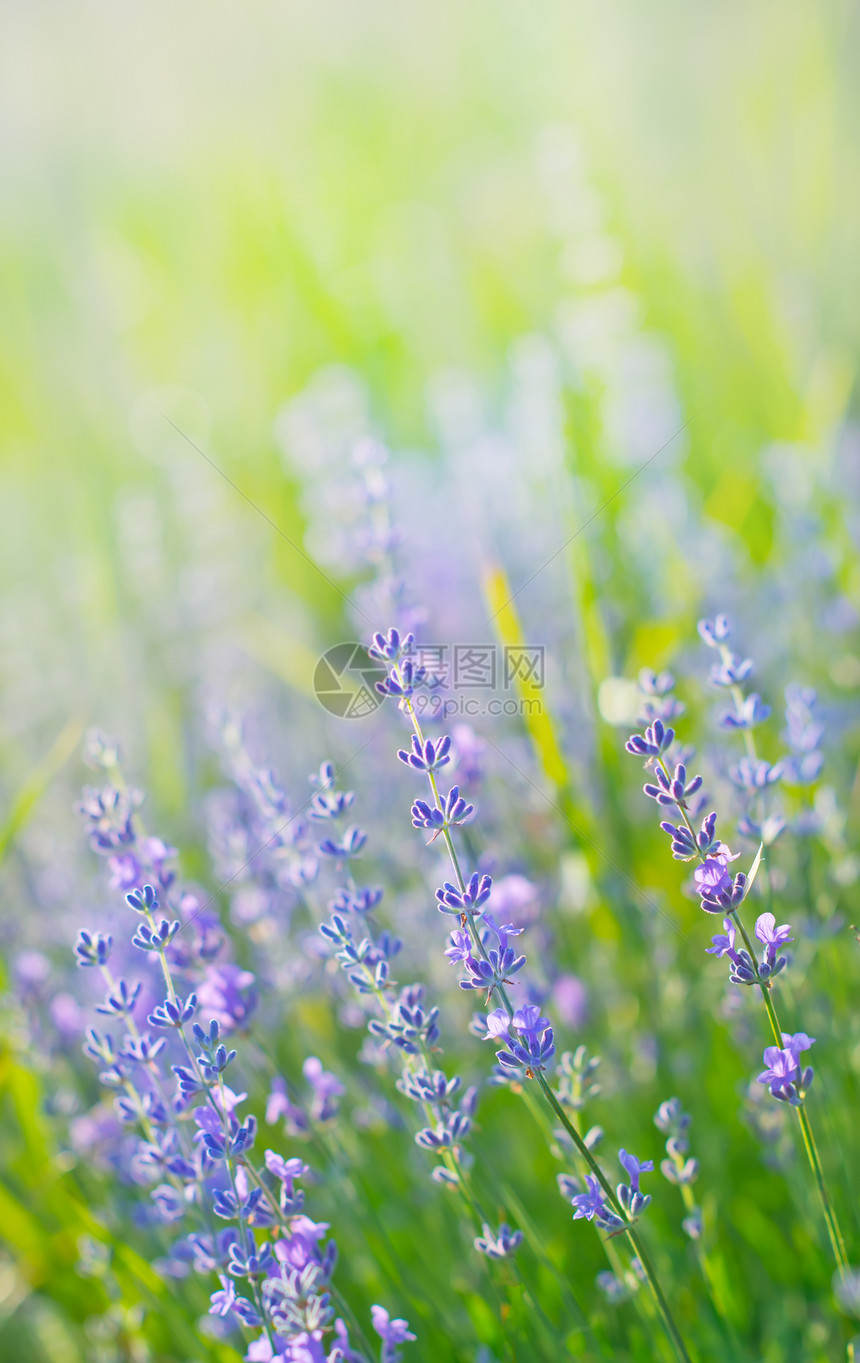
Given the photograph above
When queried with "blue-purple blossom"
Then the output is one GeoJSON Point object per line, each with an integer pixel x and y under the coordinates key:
{"type": "Point", "coordinates": [454, 810]}
{"type": "Point", "coordinates": [528, 1037]}
{"type": "Point", "coordinates": [731, 670]}
{"type": "Point", "coordinates": [653, 683]}
{"type": "Point", "coordinates": [632, 1199]}
{"type": "Point", "coordinates": [772, 936]}
{"type": "Point", "coordinates": [719, 890]}
{"type": "Point", "coordinates": [747, 713]}
{"type": "Point", "coordinates": [451, 899]}
{"type": "Point", "coordinates": [714, 632]}
{"type": "Point", "coordinates": [121, 1000]}
{"type": "Point", "coordinates": [743, 967]}
{"type": "Point", "coordinates": [592, 1206]}
{"type": "Point", "coordinates": [355, 900]}
{"type": "Point", "coordinates": [686, 845]}
{"type": "Point", "coordinates": [753, 774]}
{"type": "Point", "coordinates": [656, 739]}
{"type": "Point", "coordinates": [327, 1090]}
{"type": "Point", "coordinates": [493, 970]}
{"type": "Point", "coordinates": [803, 734]}
{"type": "Point", "coordinates": [391, 646]}
{"type": "Point", "coordinates": [674, 789]}
{"type": "Point", "coordinates": [427, 755]}
{"type": "Point", "coordinates": [498, 1244]}
{"type": "Point", "coordinates": [393, 1333]}
{"type": "Point", "coordinates": [402, 681]}
{"type": "Point", "coordinates": [786, 1079]}
{"type": "Point", "coordinates": [93, 948]}
{"type": "Point", "coordinates": [350, 845]}
{"type": "Point", "coordinates": [502, 930]}
{"type": "Point", "coordinates": [461, 946]}
{"type": "Point", "coordinates": [155, 938]}
{"type": "Point", "coordinates": [330, 804]}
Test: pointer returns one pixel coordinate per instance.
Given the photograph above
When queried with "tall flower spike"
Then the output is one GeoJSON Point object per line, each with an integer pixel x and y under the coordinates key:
{"type": "Point", "coordinates": [723, 893]}
{"type": "Point", "coordinates": [529, 1042]}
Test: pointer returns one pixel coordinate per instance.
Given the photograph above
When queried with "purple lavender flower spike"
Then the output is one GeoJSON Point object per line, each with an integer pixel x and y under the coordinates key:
{"type": "Point", "coordinates": [748, 713]}
{"type": "Point", "coordinates": [592, 1205]}
{"type": "Point", "coordinates": [773, 938]}
{"type": "Point", "coordinates": [533, 1046]}
{"type": "Point", "coordinates": [656, 740]}
{"type": "Point", "coordinates": [714, 632]}
{"type": "Point", "coordinates": [187, 1152]}
{"type": "Point", "coordinates": [492, 972]}
{"type": "Point", "coordinates": [350, 845]}
{"type": "Point", "coordinates": [632, 1199]}
{"type": "Point", "coordinates": [723, 943]}
{"type": "Point", "coordinates": [674, 790]}
{"type": "Point", "coordinates": [93, 948]}
{"type": "Point", "coordinates": [784, 1076]}
{"type": "Point", "coordinates": [428, 756]}
{"type": "Point", "coordinates": [705, 843]}
{"type": "Point", "coordinates": [460, 948]}
{"type": "Point", "coordinates": [731, 670]}
{"type": "Point", "coordinates": [393, 1333]}
{"type": "Point", "coordinates": [450, 899]}
{"type": "Point", "coordinates": [719, 890]}
{"type": "Point", "coordinates": [454, 811]}
{"type": "Point", "coordinates": [657, 684]}
{"type": "Point", "coordinates": [498, 1244]}
{"type": "Point", "coordinates": [754, 775]}
{"type": "Point", "coordinates": [390, 647]}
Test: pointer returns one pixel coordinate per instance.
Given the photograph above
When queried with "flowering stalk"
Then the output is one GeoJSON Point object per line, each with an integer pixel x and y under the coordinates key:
{"type": "Point", "coordinates": [528, 1038]}
{"type": "Point", "coordinates": [786, 1077]}
{"type": "Point", "coordinates": [406, 1023]}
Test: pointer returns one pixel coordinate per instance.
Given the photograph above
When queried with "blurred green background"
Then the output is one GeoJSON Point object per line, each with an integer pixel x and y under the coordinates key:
{"type": "Point", "coordinates": [205, 204]}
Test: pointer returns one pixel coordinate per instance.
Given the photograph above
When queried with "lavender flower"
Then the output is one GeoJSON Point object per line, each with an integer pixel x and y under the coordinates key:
{"type": "Point", "coordinates": [785, 1077]}
{"type": "Point", "coordinates": [632, 1199]}
{"type": "Point", "coordinates": [393, 1333]}
{"type": "Point", "coordinates": [679, 1167]}
{"type": "Point", "coordinates": [592, 1205]}
{"type": "Point", "coordinates": [498, 1244]}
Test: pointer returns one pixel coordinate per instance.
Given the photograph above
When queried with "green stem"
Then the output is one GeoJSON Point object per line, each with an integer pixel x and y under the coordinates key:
{"type": "Point", "coordinates": [629, 1230]}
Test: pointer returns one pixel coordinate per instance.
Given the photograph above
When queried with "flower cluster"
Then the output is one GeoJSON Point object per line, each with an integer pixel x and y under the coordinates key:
{"type": "Point", "coordinates": [593, 1205]}
{"type": "Point", "coordinates": [192, 1150]}
{"type": "Point", "coordinates": [527, 1038]}
{"type": "Point", "coordinates": [481, 945]}
{"type": "Point", "coordinates": [679, 1167]}
{"type": "Point", "coordinates": [751, 775]}
{"type": "Point", "coordinates": [720, 891]}
{"type": "Point", "coordinates": [400, 1020]}
{"type": "Point", "coordinates": [785, 1076]}
{"type": "Point", "coordinates": [744, 969]}
{"type": "Point", "coordinates": [803, 733]}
